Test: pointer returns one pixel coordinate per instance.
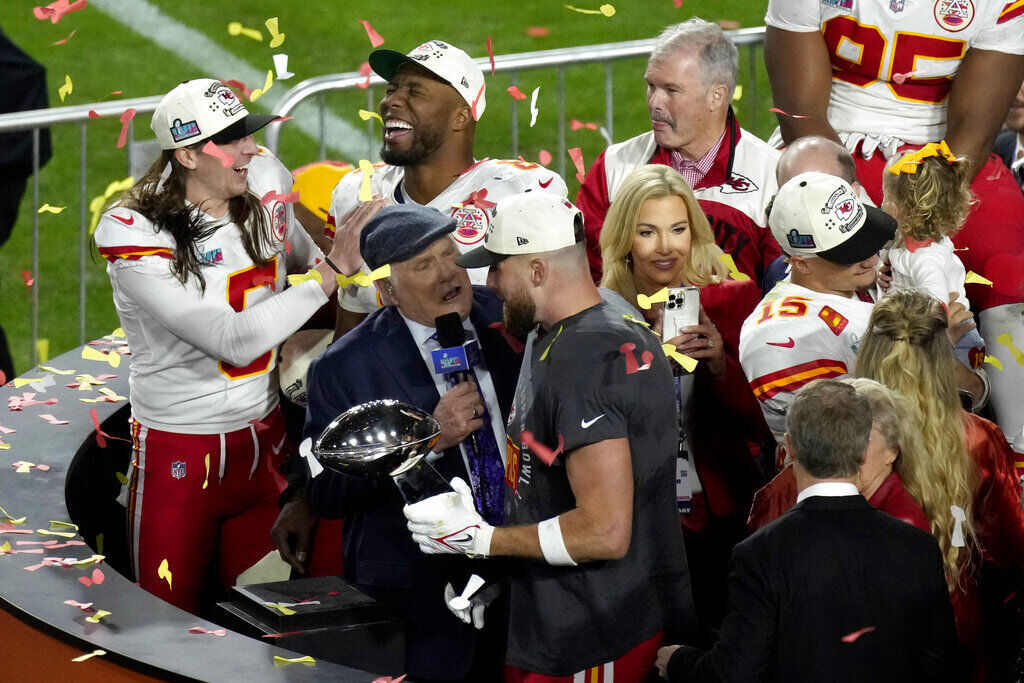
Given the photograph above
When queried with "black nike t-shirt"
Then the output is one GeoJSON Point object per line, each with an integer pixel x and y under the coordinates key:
{"type": "Point", "coordinates": [595, 376]}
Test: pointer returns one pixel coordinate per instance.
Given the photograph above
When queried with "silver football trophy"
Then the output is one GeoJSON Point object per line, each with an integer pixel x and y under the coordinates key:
{"type": "Point", "coordinates": [385, 437]}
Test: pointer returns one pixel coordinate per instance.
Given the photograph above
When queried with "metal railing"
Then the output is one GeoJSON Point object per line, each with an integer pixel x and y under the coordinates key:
{"type": "Point", "coordinates": [558, 59]}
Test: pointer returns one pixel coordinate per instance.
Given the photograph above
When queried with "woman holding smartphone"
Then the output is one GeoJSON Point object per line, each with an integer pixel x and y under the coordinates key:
{"type": "Point", "coordinates": [656, 236]}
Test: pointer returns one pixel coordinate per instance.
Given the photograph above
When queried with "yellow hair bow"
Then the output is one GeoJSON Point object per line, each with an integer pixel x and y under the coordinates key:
{"type": "Point", "coordinates": [909, 163]}
{"type": "Point", "coordinates": [362, 279]}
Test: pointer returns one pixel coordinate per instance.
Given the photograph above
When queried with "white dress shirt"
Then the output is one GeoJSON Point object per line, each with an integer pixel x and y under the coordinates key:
{"type": "Point", "coordinates": [828, 488]}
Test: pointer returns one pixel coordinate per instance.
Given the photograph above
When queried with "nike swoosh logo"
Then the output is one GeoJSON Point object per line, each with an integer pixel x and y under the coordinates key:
{"type": "Point", "coordinates": [126, 221]}
{"type": "Point", "coordinates": [277, 448]}
{"type": "Point", "coordinates": [786, 344]}
{"type": "Point", "coordinates": [585, 424]}
{"type": "Point", "coordinates": [546, 183]}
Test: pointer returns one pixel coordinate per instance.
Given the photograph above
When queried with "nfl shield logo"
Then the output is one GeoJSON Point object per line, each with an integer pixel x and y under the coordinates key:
{"type": "Point", "coordinates": [178, 469]}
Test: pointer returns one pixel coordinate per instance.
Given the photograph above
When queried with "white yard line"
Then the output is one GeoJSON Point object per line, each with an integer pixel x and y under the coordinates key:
{"type": "Point", "coordinates": [213, 61]}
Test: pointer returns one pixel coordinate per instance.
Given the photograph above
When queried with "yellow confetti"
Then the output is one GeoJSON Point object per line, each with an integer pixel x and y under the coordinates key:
{"type": "Point", "coordinates": [606, 10]}
{"type": "Point", "coordinates": [112, 395]}
{"type": "Point", "coordinates": [235, 28]}
{"type": "Point", "coordinates": [276, 38]}
{"type": "Point", "coordinates": [992, 360]}
{"type": "Point", "coordinates": [1006, 340]}
{"type": "Point", "coordinates": [119, 332]}
{"type": "Point", "coordinates": [5, 446]}
{"type": "Point", "coordinates": [66, 89]}
{"type": "Point", "coordinates": [94, 653]}
{"type": "Point", "coordinates": [206, 481]}
{"type": "Point", "coordinates": [95, 619]}
{"type": "Point", "coordinates": [545, 354]}
{"type": "Point", "coordinates": [99, 202]}
{"type": "Point", "coordinates": [281, 608]}
{"type": "Point", "coordinates": [283, 661]}
{"type": "Point", "coordinates": [62, 525]}
{"type": "Point", "coordinates": [121, 478]}
{"type": "Point", "coordinates": [62, 534]}
{"type": "Point", "coordinates": [308, 275]}
{"type": "Point", "coordinates": [973, 278]}
{"type": "Point", "coordinates": [25, 468]}
{"type": "Point", "coordinates": [366, 168]}
{"type": "Point", "coordinates": [99, 543]}
{"type": "Point", "coordinates": [46, 208]}
{"type": "Point", "coordinates": [19, 382]}
{"type": "Point", "coordinates": [737, 94]}
{"type": "Point", "coordinates": [43, 349]}
{"type": "Point", "coordinates": [645, 301]}
{"type": "Point", "coordinates": [55, 371]}
{"type": "Point", "coordinates": [258, 92]}
{"type": "Point", "coordinates": [366, 115]}
{"type": "Point", "coordinates": [362, 279]}
{"type": "Point", "coordinates": [163, 572]}
{"type": "Point", "coordinates": [89, 353]}
{"type": "Point", "coordinates": [5, 548]}
{"type": "Point", "coordinates": [631, 319]}
{"type": "Point", "coordinates": [734, 272]}
{"type": "Point", "coordinates": [688, 363]}
{"type": "Point", "coordinates": [95, 559]}
{"type": "Point", "coordinates": [6, 518]}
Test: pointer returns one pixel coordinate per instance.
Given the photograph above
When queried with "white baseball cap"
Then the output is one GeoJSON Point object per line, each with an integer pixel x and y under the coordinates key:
{"type": "Point", "coordinates": [527, 223]}
{"type": "Point", "coordinates": [816, 214]}
{"type": "Point", "coordinates": [446, 61]}
{"type": "Point", "coordinates": [203, 108]}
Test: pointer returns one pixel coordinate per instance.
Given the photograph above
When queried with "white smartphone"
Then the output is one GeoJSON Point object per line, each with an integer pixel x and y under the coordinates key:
{"type": "Point", "coordinates": [681, 310]}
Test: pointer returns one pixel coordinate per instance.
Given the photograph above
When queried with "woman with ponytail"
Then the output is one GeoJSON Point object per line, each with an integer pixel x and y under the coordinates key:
{"type": "Point", "coordinates": [199, 251]}
{"type": "Point", "coordinates": [966, 482]}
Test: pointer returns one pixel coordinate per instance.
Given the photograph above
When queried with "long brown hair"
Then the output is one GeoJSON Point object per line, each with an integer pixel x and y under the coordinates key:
{"type": "Point", "coordinates": [168, 210]}
{"type": "Point", "coordinates": [906, 349]}
{"type": "Point", "coordinates": [654, 181]}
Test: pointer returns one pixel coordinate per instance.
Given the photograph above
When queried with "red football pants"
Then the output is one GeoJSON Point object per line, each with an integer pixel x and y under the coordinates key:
{"type": "Point", "coordinates": [200, 500]}
{"type": "Point", "coordinates": [633, 667]}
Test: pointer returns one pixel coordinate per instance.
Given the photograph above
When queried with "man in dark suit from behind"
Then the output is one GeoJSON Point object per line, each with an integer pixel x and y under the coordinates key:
{"type": "Point", "coordinates": [834, 590]}
{"type": "Point", "coordinates": [387, 356]}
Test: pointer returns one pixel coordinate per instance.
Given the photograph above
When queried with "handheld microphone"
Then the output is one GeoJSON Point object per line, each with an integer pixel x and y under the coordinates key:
{"type": "Point", "coordinates": [451, 335]}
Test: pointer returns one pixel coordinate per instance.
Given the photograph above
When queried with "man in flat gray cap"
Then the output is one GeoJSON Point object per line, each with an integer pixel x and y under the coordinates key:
{"type": "Point", "coordinates": [389, 356]}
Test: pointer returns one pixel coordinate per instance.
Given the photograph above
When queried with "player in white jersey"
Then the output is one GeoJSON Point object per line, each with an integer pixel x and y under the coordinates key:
{"type": "Point", "coordinates": [808, 328]}
{"type": "Point", "coordinates": [886, 76]}
{"type": "Point", "coordinates": [199, 250]}
{"type": "Point", "coordinates": [434, 97]}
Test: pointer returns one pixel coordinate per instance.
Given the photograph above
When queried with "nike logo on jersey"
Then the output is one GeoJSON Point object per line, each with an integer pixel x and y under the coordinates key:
{"type": "Point", "coordinates": [585, 424]}
{"type": "Point", "coordinates": [790, 343]}
{"type": "Point", "coordinates": [546, 183]}
{"type": "Point", "coordinates": [126, 221]}
{"type": "Point", "coordinates": [277, 448]}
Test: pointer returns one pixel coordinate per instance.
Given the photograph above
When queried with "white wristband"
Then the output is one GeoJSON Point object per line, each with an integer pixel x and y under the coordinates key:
{"type": "Point", "coordinates": [482, 541]}
{"type": "Point", "coordinates": [552, 545]}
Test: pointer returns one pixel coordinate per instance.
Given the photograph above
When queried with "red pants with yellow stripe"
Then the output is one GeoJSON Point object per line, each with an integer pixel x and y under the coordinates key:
{"type": "Point", "coordinates": [199, 501]}
{"type": "Point", "coordinates": [633, 667]}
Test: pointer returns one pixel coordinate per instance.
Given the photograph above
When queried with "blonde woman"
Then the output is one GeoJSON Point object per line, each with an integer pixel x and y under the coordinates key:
{"type": "Point", "coordinates": [894, 449]}
{"type": "Point", "coordinates": [968, 464]}
{"type": "Point", "coordinates": [656, 236]}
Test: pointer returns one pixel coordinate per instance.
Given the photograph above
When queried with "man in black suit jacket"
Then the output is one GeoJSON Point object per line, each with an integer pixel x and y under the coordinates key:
{"type": "Point", "coordinates": [382, 358]}
{"type": "Point", "coordinates": [834, 590]}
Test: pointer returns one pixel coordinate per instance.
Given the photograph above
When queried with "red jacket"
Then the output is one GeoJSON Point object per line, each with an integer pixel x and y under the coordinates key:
{"type": "Point", "coordinates": [733, 194]}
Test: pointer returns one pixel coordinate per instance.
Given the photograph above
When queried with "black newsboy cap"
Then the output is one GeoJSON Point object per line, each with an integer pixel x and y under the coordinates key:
{"type": "Point", "coordinates": [400, 231]}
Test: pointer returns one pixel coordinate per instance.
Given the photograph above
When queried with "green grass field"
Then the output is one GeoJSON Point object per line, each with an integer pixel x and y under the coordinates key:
{"type": "Point", "coordinates": [104, 56]}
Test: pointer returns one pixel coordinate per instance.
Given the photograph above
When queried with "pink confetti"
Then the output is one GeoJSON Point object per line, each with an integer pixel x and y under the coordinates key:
{"type": "Point", "coordinates": [6, 430]}
{"type": "Point", "coordinates": [100, 441]}
{"type": "Point", "coordinates": [260, 426]}
{"type": "Point", "coordinates": [544, 157]}
{"type": "Point", "coordinates": [476, 101]}
{"type": "Point", "coordinates": [127, 116]}
{"type": "Point", "coordinates": [899, 79]}
{"type": "Point", "coordinates": [53, 420]}
{"type": "Point", "coordinates": [576, 154]}
{"type": "Point", "coordinates": [576, 125]}
{"type": "Point", "coordinates": [44, 468]}
{"type": "Point", "coordinates": [282, 119]}
{"type": "Point", "coordinates": [851, 637]}
{"type": "Point", "coordinates": [516, 345]}
{"type": "Point", "coordinates": [64, 40]}
{"type": "Point", "coordinates": [93, 114]}
{"type": "Point", "coordinates": [213, 632]}
{"type": "Point", "coordinates": [792, 116]}
{"type": "Point", "coordinates": [546, 455]}
{"type": "Point", "coordinates": [48, 544]}
{"type": "Point", "coordinates": [389, 679]}
{"type": "Point", "coordinates": [364, 70]}
{"type": "Point", "coordinates": [280, 635]}
{"type": "Point", "coordinates": [97, 578]}
{"type": "Point", "coordinates": [271, 196]}
{"type": "Point", "coordinates": [55, 11]}
{"type": "Point", "coordinates": [537, 31]}
{"type": "Point", "coordinates": [213, 150]}
{"type": "Point", "coordinates": [375, 39]}
{"type": "Point", "coordinates": [34, 567]}
{"type": "Point", "coordinates": [490, 53]}
{"type": "Point", "coordinates": [913, 245]}
{"type": "Point", "coordinates": [85, 607]}
{"type": "Point", "coordinates": [240, 87]}
{"type": "Point", "coordinates": [677, 3]}
{"type": "Point", "coordinates": [516, 93]}
{"type": "Point", "coordinates": [27, 277]}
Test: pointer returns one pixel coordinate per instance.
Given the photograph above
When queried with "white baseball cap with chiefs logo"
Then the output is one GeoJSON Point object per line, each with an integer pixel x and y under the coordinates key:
{"type": "Point", "coordinates": [200, 109]}
{"type": "Point", "coordinates": [815, 214]}
{"type": "Point", "coordinates": [446, 61]}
